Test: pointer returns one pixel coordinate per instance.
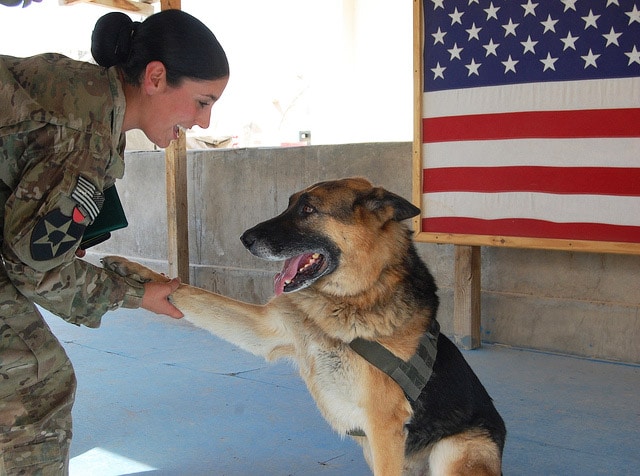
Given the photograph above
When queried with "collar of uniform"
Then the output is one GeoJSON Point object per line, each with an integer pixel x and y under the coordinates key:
{"type": "Point", "coordinates": [116, 165]}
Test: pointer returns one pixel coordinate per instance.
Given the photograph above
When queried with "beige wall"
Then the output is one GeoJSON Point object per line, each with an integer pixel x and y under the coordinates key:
{"type": "Point", "coordinates": [576, 303]}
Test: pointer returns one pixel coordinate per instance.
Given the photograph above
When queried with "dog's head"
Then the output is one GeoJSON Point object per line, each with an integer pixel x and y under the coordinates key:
{"type": "Point", "coordinates": [339, 234]}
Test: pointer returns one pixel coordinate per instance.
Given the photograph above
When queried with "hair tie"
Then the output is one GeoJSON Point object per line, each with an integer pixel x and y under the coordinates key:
{"type": "Point", "coordinates": [134, 28]}
{"type": "Point", "coordinates": [124, 42]}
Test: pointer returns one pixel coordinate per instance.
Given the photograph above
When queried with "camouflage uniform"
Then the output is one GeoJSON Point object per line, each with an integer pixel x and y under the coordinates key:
{"type": "Point", "coordinates": [61, 144]}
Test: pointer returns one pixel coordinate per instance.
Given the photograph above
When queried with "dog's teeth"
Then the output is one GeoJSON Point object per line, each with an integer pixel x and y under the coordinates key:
{"type": "Point", "coordinates": [311, 262]}
{"type": "Point", "coordinates": [287, 281]}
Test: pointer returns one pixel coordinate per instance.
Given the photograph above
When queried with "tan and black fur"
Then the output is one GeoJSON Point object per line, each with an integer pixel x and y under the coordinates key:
{"type": "Point", "coordinates": [357, 274]}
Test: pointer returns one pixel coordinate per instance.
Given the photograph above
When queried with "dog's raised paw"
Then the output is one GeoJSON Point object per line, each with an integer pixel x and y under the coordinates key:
{"type": "Point", "coordinates": [123, 267]}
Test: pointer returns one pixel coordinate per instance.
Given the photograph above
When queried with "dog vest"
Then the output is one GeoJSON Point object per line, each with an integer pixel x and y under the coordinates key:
{"type": "Point", "coordinates": [411, 375]}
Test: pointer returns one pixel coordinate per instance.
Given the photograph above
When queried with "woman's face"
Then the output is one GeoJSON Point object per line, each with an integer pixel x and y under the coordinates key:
{"type": "Point", "coordinates": [186, 105]}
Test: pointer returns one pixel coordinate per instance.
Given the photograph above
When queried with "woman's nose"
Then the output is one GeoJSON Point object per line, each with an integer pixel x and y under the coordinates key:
{"type": "Point", "coordinates": [204, 118]}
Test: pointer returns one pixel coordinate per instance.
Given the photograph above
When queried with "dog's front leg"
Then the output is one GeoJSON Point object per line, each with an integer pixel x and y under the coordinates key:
{"type": "Point", "coordinates": [387, 411]}
{"type": "Point", "coordinates": [387, 453]}
{"type": "Point", "coordinates": [254, 328]}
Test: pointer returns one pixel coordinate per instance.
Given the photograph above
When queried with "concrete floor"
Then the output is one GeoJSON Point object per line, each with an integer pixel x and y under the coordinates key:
{"type": "Point", "coordinates": [160, 397]}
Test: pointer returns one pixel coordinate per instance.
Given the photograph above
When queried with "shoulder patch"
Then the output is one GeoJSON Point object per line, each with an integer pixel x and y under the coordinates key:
{"type": "Point", "coordinates": [54, 235]}
{"type": "Point", "coordinates": [88, 197]}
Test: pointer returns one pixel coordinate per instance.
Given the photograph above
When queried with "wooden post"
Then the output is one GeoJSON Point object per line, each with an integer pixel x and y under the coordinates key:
{"type": "Point", "coordinates": [416, 175]}
{"type": "Point", "coordinates": [177, 200]}
{"type": "Point", "coordinates": [170, 4]}
{"type": "Point", "coordinates": [466, 297]}
{"type": "Point", "coordinates": [177, 209]}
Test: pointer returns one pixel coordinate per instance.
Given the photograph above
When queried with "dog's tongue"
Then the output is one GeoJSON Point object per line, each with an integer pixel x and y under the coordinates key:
{"type": "Point", "coordinates": [289, 270]}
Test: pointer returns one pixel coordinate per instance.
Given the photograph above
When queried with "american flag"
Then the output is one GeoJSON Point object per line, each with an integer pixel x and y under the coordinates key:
{"type": "Point", "coordinates": [531, 119]}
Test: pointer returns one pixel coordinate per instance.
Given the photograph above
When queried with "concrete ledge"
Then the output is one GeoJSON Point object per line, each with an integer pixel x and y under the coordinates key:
{"type": "Point", "coordinates": [576, 303]}
{"type": "Point", "coordinates": [596, 330]}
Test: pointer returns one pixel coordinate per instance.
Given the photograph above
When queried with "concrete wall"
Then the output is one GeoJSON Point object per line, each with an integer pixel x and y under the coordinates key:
{"type": "Point", "coordinates": [576, 303]}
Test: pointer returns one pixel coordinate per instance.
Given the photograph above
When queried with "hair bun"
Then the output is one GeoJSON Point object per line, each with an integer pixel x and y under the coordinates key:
{"type": "Point", "coordinates": [111, 39]}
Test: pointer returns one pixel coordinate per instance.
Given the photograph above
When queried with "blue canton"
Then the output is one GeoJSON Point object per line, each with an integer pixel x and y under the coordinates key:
{"type": "Point", "coordinates": [473, 43]}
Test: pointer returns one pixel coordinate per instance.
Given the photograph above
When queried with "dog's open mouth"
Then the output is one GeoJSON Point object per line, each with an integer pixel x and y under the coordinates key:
{"type": "Point", "coordinates": [298, 272]}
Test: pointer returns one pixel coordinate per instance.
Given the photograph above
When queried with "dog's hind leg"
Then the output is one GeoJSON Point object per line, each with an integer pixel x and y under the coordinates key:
{"type": "Point", "coordinates": [472, 452]}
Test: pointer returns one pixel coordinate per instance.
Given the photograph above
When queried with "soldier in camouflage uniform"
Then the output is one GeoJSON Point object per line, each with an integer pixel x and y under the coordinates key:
{"type": "Point", "coordinates": [62, 125]}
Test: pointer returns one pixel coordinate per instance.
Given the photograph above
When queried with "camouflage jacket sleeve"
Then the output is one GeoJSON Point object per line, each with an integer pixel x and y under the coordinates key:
{"type": "Point", "coordinates": [44, 221]}
{"type": "Point", "coordinates": [77, 291]}
{"type": "Point", "coordinates": [60, 145]}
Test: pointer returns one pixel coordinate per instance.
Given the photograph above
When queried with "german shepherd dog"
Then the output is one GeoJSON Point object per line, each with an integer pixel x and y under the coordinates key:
{"type": "Point", "coordinates": [352, 273]}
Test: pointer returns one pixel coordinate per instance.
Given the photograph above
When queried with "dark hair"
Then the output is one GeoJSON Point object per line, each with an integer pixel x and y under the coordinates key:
{"type": "Point", "coordinates": [184, 44]}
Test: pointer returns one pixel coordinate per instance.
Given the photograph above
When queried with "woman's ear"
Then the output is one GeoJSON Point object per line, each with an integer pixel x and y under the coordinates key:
{"type": "Point", "coordinates": [155, 78]}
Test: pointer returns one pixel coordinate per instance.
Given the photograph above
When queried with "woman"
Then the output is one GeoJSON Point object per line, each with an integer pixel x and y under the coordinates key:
{"type": "Point", "coordinates": [62, 125]}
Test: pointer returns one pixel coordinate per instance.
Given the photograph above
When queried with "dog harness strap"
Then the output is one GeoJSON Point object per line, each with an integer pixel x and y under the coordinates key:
{"type": "Point", "coordinates": [411, 375]}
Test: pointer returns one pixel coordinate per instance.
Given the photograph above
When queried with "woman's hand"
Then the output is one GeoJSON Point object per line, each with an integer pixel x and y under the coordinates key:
{"type": "Point", "coordinates": [155, 298]}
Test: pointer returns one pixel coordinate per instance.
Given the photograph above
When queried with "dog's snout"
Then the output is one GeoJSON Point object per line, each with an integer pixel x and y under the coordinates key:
{"type": "Point", "coordinates": [248, 239]}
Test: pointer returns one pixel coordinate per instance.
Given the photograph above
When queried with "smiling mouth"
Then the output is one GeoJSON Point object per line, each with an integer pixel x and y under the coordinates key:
{"type": "Point", "coordinates": [176, 130]}
{"type": "Point", "coordinates": [299, 272]}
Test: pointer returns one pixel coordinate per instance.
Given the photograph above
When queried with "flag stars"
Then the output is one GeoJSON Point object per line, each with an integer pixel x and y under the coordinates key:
{"type": "Point", "coordinates": [634, 15]}
{"type": "Point", "coordinates": [590, 59]}
{"type": "Point", "coordinates": [591, 20]}
{"type": "Point", "coordinates": [548, 49]}
{"type": "Point", "coordinates": [438, 36]}
{"type": "Point", "coordinates": [455, 52]}
{"type": "Point", "coordinates": [473, 32]}
{"type": "Point", "coordinates": [456, 16]}
{"type": "Point", "coordinates": [473, 67]}
{"type": "Point", "coordinates": [634, 56]}
{"type": "Point", "coordinates": [492, 12]}
{"type": "Point", "coordinates": [510, 28]}
{"type": "Point", "coordinates": [491, 48]}
{"type": "Point", "coordinates": [438, 71]}
{"type": "Point", "coordinates": [510, 65]}
{"type": "Point", "coordinates": [549, 24]}
{"type": "Point", "coordinates": [549, 63]}
{"type": "Point", "coordinates": [569, 4]}
{"type": "Point", "coordinates": [529, 8]}
{"type": "Point", "coordinates": [529, 45]}
{"type": "Point", "coordinates": [569, 41]}
{"type": "Point", "coordinates": [612, 37]}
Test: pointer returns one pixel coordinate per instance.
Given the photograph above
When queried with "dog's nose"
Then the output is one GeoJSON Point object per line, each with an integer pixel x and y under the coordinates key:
{"type": "Point", "coordinates": [248, 239]}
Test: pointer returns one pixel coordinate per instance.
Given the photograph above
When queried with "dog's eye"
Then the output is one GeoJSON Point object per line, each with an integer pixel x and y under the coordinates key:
{"type": "Point", "coordinates": [307, 210]}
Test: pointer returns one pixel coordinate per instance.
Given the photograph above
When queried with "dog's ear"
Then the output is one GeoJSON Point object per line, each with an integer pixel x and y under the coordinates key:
{"type": "Point", "coordinates": [380, 200]}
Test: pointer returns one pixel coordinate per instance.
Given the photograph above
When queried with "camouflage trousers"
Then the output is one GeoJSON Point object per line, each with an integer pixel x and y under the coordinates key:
{"type": "Point", "coordinates": [37, 390]}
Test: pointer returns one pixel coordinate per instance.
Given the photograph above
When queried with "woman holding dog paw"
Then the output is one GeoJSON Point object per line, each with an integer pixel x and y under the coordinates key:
{"type": "Point", "coordinates": [62, 125]}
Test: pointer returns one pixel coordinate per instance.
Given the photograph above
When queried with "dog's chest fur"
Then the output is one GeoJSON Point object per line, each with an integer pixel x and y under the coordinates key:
{"type": "Point", "coordinates": [329, 370]}
{"type": "Point", "coordinates": [336, 376]}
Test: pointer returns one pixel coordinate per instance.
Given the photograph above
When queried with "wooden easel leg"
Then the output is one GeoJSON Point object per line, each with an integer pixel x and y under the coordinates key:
{"type": "Point", "coordinates": [466, 297]}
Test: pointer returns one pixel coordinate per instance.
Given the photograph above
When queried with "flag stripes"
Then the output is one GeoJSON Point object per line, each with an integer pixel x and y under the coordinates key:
{"type": "Point", "coordinates": [530, 124]}
{"type": "Point", "coordinates": [560, 180]}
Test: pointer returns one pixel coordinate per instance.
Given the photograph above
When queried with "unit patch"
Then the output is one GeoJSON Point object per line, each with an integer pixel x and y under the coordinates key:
{"type": "Point", "coordinates": [54, 235]}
